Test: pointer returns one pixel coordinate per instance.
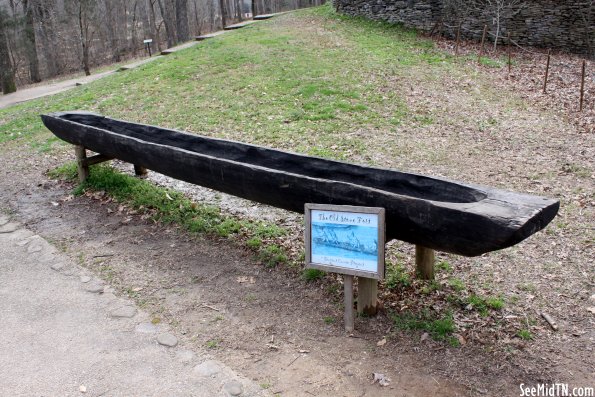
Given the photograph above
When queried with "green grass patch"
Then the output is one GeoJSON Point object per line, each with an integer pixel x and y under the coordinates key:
{"type": "Point", "coordinates": [484, 304]}
{"type": "Point", "coordinates": [67, 171]}
{"type": "Point", "coordinates": [169, 206]}
{"type": "Point", "coordinates": [525, 334]}
{"type": "Point", "coordinates": [430, 287]}
{"type": "Point", "coordinates": [456, 284]}
{"type": "Point", "coordinates": [266, 230]}
{"type": "Point", "coordinates": [495, 303]}
{"type": "Point", "coordinates": [254, 243]}
{"type": "Point", "coordinates": [492, 63]}
{"type": "Point", "coordinates": [439, 328]}
{"type": "Point", "coordinates": [312, 274]}
{"type": "Point", "coordinates": [444, 266]}
{"type": "Point", "coordinates": [396, 276]}
{"type": "Point", "coordinates": [272, 255]}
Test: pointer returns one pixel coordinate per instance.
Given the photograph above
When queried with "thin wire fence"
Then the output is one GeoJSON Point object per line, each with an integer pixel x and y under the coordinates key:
{"type": "Point", "coordinates": [566, 79]}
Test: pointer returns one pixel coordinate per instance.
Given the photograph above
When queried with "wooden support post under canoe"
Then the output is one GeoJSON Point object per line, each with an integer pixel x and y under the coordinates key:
{"type": "Point", "coordinates": [424, 261]}
{"type": "Point", "coordinates": [349, 319]}
{"type": "Point", "coordinates": [140, 171]}
{"type": "Point", "coordinates": [99, 158]}
{"type": "Point", "coordinates": [367, 297]}
{"type": "Point", "coordinates": [81, 164]}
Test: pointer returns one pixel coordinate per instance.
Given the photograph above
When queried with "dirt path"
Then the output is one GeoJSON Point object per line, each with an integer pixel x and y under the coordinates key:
{"type": "Point", "coordinates": [258, 328]}
{"type": "Point", "coordinates": [259, 321]}
{"type": "Point", "coordinates": [42, 90]}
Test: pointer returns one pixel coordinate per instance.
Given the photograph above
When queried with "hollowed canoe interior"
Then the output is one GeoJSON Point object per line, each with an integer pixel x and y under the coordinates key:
{"type": "Point", "coordinates": [395, 182]}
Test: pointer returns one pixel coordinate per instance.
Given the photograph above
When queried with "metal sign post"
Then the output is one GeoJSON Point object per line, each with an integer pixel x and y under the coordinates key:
{"type": "Point", "coordinates": [148, 45]}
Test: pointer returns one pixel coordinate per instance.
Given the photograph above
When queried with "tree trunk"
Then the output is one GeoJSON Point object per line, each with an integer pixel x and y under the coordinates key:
{"type": "Point", "coordinates": [135, 42]}
{"type": "Point", "coordinates": [212, 16]}
{"type": "Point", "coordinates": [84, 28]}
{"type": "Point", "coordinates": [153, 25]}
{"type": "Point", "coordinates": [223, 13]}
{"type": "Point", "coordinates": [238, 6]}
{"type": "Point", "coordinates": [182, 20]}
{"type": "Point", "coordinates": [197, 19]}
{"type": "Point", "coordinates": [497, 22]}
{"type": "Point", "coordinates": [168, 21]}
{"type": "Point", "coordinates": [30, 42]}
{"type": "Point", "coordinates": [44, 13]}
{"type": "Point", "coordinates": [6, 71]}
{"type": "Point", "coordinates": [111, 17]}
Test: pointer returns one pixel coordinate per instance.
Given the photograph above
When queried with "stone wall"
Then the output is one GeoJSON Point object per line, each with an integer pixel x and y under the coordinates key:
{"type": "Point", "coordinates": [568, 25]}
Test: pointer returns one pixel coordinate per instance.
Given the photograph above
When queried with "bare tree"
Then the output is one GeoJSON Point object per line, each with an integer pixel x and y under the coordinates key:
{"type": "Point", "coordinates": [182, 20]}
{"type": "Point", "coordinates": [84, 12]}
{"type": "Point", "coordinates": [198, 18]}
{"type": "Point", "coordinates": [223, 9]}
{"type": "Point", "coordinates": [46, 38]}
{"type": "Point", "coordinates": [134, 41]}
{"type": "Point", "coordinates": [7, 79]}
{"type": "Point", "coordinates": [167, 12]}
{"type": "Point", "coordinates": [30, 41]}
{"type": "Point", "coordinates": [110, 12]}
{"type": "Point", "coordinates": [212, 15]}
{"type": "Point", "coordinates": [45, 15]}
{"type": "Point", "coordinates": [154, 27]}
{"type": "Point", "coordinates": [499, 10]}
{"type": "Point", "coordinates": [238, 10]}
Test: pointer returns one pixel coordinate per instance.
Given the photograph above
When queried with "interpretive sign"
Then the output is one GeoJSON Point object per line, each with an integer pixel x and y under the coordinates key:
{"type": "Point", "coordinates": [345, 239]}
{"type": "Point", "coordinates": [148, 45]}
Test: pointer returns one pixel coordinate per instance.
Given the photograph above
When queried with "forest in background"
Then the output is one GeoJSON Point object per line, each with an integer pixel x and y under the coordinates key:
{"type": "Point", "coordinates": [43, 39]}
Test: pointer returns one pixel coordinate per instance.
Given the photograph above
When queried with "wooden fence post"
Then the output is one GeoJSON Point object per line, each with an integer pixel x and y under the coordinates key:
{"type": "Point", "coordinates": [483, 38]}
{"type": "Point", "coordinates": [509, 53]}
{"type": "Point", "coordinates": [367, 297]}
{"type": "Point", "coordinates": [583, 85]}
{"type": "Point", "coordinates": [348, 301]}
{"type": "Point", "coordinates": [458, 39]}
{"type": "Point", "coordinates": [81, 165]}
{"type": "Point", "coordinates": [436, 28]}
{"type": "Point", "coordinates": [547, 70]}
{"type": "Point", "coordinates": [424, 261]}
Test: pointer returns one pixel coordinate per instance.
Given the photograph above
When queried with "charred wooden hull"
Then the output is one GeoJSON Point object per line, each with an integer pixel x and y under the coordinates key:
{"type": "Point", "coordinates": [436, 213]}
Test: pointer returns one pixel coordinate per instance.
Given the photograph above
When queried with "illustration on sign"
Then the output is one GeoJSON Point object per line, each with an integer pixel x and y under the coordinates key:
{"type": "Point", "coordinates": [345, 239]}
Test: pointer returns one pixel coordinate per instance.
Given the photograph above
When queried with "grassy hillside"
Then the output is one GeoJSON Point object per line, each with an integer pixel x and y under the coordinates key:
{"type": "Point", "coordinates": [310, 81]}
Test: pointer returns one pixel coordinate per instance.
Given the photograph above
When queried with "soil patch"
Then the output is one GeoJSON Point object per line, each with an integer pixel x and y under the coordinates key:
{"type": "Point", "coordinates": [275, 328]}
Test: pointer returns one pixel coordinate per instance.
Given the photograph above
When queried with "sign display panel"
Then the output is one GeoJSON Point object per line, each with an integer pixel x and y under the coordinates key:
{"type": "Point", "coordinates": [345, 239]}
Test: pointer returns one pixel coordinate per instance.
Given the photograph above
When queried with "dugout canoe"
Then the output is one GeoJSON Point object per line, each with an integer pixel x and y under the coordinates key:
{"type": "Point", "coordinates": [445, 215]}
